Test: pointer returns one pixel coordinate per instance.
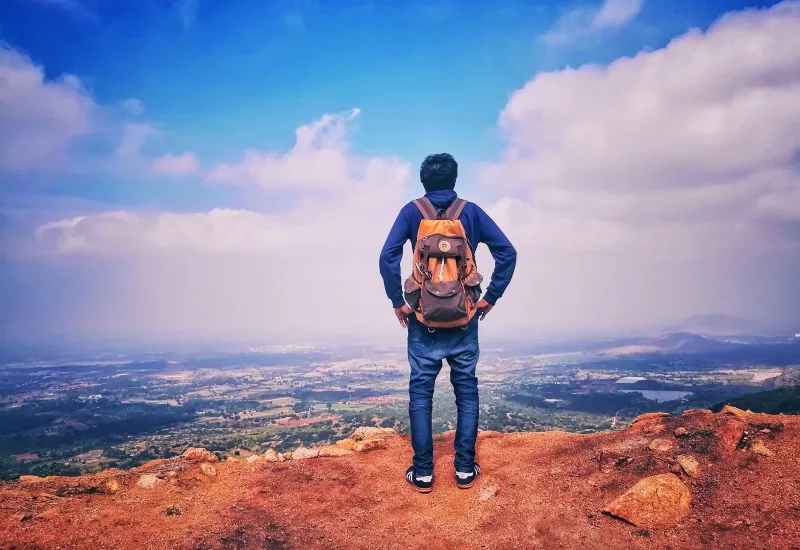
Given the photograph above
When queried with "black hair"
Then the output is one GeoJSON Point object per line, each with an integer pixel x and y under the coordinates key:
{"type": "Point", "coordinates": [438, 172]}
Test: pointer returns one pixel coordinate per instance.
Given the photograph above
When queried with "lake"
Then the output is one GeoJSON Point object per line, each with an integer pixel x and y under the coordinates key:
{"type": "Point", "coordinates": [661, 395]}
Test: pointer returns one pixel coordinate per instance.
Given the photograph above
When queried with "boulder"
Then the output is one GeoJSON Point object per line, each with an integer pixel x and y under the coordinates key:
{"type": "Point", "coordinates": [333, 450]}
{"type": "Point", "coordinates": [661, 445]}
{"type": "Point", "coordinates": [368, 432]}
{"type": "Point", "coordinates": [647, 417]}
{"type": "Point", "coordinates": [680, 432]}
{"type": "Point", "coordinates": [254, 458]}
{"type": "Point", "coordinates": [208, 469]}
{"type": "Point", "coordinates": [198, 454]}
{"type": "Point", "coordinates": [696, 412]}
{"type": "Point", "coordinates": [346, 444]}
{"type": "Point", "coordinates": [656, 501]}
{"type": "Point", "coordinates": [759, 448]}
{"type": "Point", "coordinates": [112, 486]}
{"type": "Point", "coordinates": [728, 409]}
{"type": "Point", "coordinates": [689, 464]}
{"type": "Point", "coordinates": [303, 453]}
{"type": "Point", "coordinates": [287, 456]}
{"type": "Point", "coordinates": [489, 434]}
{"type": "Point", "coordinates": [369, 445]}
{"type": "Point", "coordinates": [730, 434]}
{"type": "Point", "coordinates": [22, 517]}
{"type": "Point", "coordinates": [31, 479]}
{"type": "Point", "coordinates": [272, 456]}
{"type": "Point", "coordinates": [148, 481]}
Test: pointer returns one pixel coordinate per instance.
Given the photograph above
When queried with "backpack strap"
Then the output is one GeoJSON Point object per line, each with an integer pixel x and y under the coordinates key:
{"type": "Point", "coordinates": [426, 208]}
{"type": "Point", "coordinates": [454, 210]}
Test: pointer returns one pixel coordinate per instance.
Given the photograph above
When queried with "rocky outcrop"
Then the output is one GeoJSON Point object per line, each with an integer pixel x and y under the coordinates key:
{"type": "Point", "coordinates": [368, 432]}
{"type": "Point", "coordinates": [656, 501]}
{"type": "Point", "coordinates": [198, 454]}
{"type": "Point", "coordinates": [537, 490]}
{"type": "Point", "coordinates": [729, 434]}
{"type": "Point", "coordinates": [302, 453]}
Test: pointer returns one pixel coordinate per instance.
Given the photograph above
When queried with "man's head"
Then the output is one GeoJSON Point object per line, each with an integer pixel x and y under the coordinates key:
{"type": "Point", "coordinates": [438, 172]}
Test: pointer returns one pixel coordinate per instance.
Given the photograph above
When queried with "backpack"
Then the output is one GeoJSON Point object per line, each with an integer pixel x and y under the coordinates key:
{"type": "Point", "coordinates": [445, 286]}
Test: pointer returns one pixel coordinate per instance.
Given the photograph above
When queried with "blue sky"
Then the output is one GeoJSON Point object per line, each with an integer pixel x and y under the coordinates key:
{"type": "Point", "coordinates": [217, 77]}
{"type": "Point", "coordinates": [641, 154]}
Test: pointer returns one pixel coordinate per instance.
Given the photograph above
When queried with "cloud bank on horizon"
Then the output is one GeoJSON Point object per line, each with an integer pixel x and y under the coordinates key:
{"type": "Point", "coordinates": [659, 185]}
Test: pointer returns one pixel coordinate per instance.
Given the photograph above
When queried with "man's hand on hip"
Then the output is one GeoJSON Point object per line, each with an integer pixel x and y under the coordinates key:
{"type": "Point", "coordinates": [402, 314]}
{"type": "Point", "coordinates": [484, 307]}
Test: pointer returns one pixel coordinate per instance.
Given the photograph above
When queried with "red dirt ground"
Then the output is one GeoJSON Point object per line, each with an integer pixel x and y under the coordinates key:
{"type": "Point", "coordinates": [542, 490]}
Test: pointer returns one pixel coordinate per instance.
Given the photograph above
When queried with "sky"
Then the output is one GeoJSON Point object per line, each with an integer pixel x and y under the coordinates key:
{"type": "Point", "coordinates": [228, 170]}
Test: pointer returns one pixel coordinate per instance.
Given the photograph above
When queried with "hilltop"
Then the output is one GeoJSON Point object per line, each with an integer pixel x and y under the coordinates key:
{"type": "Point", "coordinates": [700, 480]}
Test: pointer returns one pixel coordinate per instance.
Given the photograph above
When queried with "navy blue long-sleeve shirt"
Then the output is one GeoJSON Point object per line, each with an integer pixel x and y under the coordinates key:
{"type": "Point", "coordinates": [480, 228]}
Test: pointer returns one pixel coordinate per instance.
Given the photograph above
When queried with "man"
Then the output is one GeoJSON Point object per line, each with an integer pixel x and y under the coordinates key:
{"type": "Point", "coordinates": [459, 346]}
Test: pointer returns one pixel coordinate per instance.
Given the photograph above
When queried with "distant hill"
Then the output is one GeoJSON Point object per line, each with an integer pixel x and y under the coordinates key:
{"type": "Point", "coordinates": [721, 325]}
{"type": "Point", "coordinates": [788, 379]}
{"type": "Point", "coordinates": [782, 400]}
{"type": "Point", "coordinates": [678, 342]}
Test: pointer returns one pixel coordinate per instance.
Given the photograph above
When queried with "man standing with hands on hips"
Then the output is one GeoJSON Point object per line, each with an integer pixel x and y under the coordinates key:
{"type": "Point", "coordinates": [440, 305]}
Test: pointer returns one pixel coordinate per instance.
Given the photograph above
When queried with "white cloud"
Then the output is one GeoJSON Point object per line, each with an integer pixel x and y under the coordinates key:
{"type": "Point", "coordinates": [39, 118]}
{"type": "Point", "coordinates": [617, 13]}
{"type": "Point", "coordinates": [133, 106]}
{"type": "Point", "coordinates": [176, 165]}
{"type": "Point", "coordinates": [291, 272]}
{"type": "Point", "coordinates": [319, 160]}
{"type": "Point", "coordinates": [675, 169]}
{"type": "Point", "coordinates": [187, 11]}
{"type": "Point", "coordinates": [584, 22]}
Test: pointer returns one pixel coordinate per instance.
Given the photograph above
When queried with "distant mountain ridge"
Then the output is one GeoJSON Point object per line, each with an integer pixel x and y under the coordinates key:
{"type": "Point", "coordinates": [717, 325]}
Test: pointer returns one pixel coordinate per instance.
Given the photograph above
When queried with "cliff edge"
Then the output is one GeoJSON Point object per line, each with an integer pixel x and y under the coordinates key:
{"type": "Point", "coordinates": [701, 480]}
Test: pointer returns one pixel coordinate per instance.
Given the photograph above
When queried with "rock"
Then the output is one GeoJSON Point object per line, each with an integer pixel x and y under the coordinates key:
{"type": "Point", "coordinates": [49, 514]}
{"type": "Point", "coordinates": [489, 434]}
{"type": "Point", "coordinates": [22, 517]}
{"type": "Point", "coordinates": [148, 481]}
{"type": "Point", "coordinates": [369, 445]}
{"type": "Point", "coordinates": [272, 456]}
{"type": "Point", "coordinates": [680, 432]}
{"type": "Point", "coordinates": [759, 448]}
{"type": "Point", "coordinates": [208, 469]}
{"type": "Point", "coordinates": [487, 492]}
{"type": "Point", "coordinates": [31, 479]}
{"type": "Point", "coordinates": [647, 417]}
{"type": "Point", "coordinates": [346, 443]}
{"type": "Point", "coordinates": [675, 468]}
{"type": "Point", "coordinates": [730, 434]}
{"type": "Point", "coordinates": [766, 431]}
{"type": "Point", "coordinates": [287, 456]}
{"type": "Point", "coordinates": [302, 453]}
{"type": "Point", "coordinates": [198, 454]}
{"type": "Point", "coordinates": [653, 429]}
{"type": "Point", "coordinates": [661, 445]}
{"type": "Point", "coordinates": [333, 450]}
{"type": "Point", "coordinates": [739, 413]}
{"type": "Point", "coordinates": [657, 501]}
{"type": "Point", "coordinates": [368, 432]}
{"type": "Point", "coordinates": [696, 412]}
{"type": "Point", "coordinates": [444, 435]}
{"type": "Point", "coordinates": [689, 464]}
{"type": "Point", "coordinates": [112, 486]}
{"type": "Point", "coordinates": [254, 458]}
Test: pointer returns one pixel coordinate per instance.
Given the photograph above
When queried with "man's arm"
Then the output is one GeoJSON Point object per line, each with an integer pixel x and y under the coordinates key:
{"type": "Point", "coordinates": [505, 258]}
{"type": "Point", "coordinates": [390, 258]}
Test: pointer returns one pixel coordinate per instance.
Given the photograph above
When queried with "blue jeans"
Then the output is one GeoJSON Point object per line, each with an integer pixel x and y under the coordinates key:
{"type": "Point", "coordinates": [426, 350]}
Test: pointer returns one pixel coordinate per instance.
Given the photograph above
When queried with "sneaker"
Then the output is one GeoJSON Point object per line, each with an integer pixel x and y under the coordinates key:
{"type": "Point", "coordinates": [423, 484]}
{"type": "Point", "coordinates": [465, 480]}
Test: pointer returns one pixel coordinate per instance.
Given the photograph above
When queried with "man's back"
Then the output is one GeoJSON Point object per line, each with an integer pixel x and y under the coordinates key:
{"type": "Point", "coordinates": [480, 228]}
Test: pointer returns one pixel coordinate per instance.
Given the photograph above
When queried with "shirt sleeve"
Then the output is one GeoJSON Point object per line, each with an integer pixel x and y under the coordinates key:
{"type": "Point", "coordinates": [390, 258]}
{"type": "Point", "coordinates": [503, 252]}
